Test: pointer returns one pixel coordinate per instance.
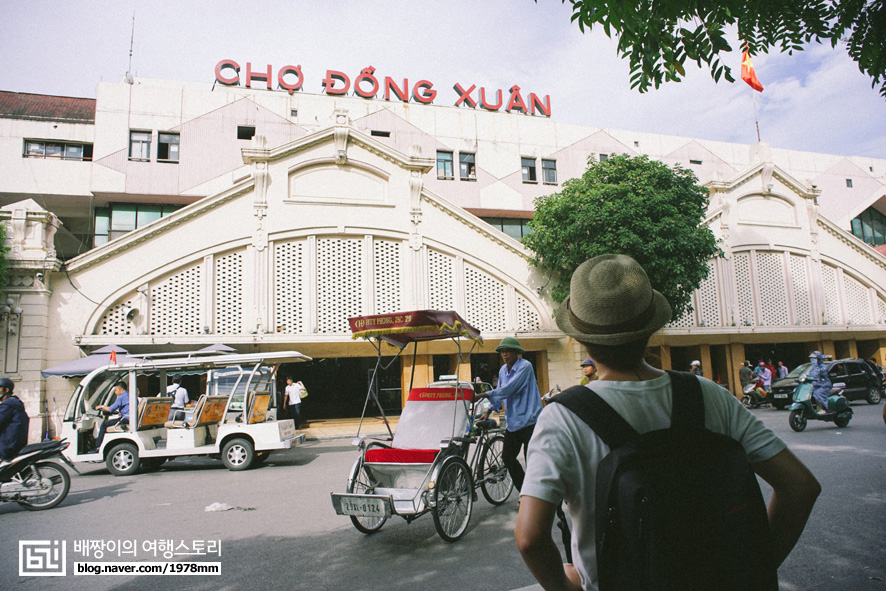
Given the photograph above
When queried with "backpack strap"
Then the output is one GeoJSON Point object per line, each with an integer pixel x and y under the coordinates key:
{"type": "Point", "coordinates": [600, 417]}
{"type": "Point", "coordinates": [688, 403]}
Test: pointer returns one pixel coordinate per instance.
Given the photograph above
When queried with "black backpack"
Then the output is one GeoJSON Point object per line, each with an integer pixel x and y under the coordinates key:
{"type": "Point", "coordinates": [676, 509]}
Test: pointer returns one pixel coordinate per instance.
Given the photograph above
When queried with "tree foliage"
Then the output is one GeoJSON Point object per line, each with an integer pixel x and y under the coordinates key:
{"type": "Point", "coordinates": [659, 36]}
{"type": "Point", "coordinates": [634, 206]}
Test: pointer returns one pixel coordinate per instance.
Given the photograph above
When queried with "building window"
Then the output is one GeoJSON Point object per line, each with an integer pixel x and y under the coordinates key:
{"type": "Point", "coordinates": [694, 161]}
{"type": "Point", "coordinates": [549, 172]}
{"type": "Point", "coordinates": [604, 157]}
{"type": "Point", "coordinates": [444, 165]}
{"type": "Point", "coordinates": [848, 183]}
{"type": "Point", "coordinates": [57, 150]}
{"type": "Point", "coordinates": [167, 147]}
{"type": "Point", "coordinates": [119, 218]}
{"type": "Point", "coordinates": [467, 167]}
{"type": "Point", "coordinates": [513, 227]}
{"type": "Point", "coordinates": [245, 132]}
{"type": "Point", "coordinates": [870, 227]}
{"type": "Point", "coordinates": [140, 145]}
{"type": "Point", "coordinates": [528, 166]}
{"type": "Point", "coordinates": [379, 133]}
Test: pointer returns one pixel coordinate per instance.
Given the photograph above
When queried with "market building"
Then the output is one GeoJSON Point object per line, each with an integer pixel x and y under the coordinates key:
{"type": "Point", "coordinates": [170, 216]}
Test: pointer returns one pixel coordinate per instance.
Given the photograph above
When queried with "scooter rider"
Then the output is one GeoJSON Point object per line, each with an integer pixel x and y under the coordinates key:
{"type": "Point", "coordinates": [818, 377]}
{"type": "Point", "coordinates": [13, 421]}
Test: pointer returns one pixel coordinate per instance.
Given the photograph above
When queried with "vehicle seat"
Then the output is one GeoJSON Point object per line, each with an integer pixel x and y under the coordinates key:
{"type": "Point", "coordinates": [431, 415]}
{"type": "Point", "coordinates": [153, 412]}
{"type": "Point", "coordinates": [257, 409]}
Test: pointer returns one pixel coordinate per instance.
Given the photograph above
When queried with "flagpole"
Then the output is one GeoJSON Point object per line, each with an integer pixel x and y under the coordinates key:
{"type": "Point", "coordinates": [756, 122]}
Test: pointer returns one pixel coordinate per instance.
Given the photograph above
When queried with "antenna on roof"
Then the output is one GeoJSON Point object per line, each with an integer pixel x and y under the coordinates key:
{"type": "Point", "coordinates": [128, 76]}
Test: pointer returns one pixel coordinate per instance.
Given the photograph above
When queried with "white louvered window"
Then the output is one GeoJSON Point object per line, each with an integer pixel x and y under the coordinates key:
{"type": "Point", "coordinates": [440, 276]}
{"type": "Point", "coordinates": [175, 304]}
{"type": "Point", "coordinates": [771, 286]}
{"type": "Point", "coordinates": [387, 276]}
{"type": "Point", "coordinates": [339, 285]}
{"type": "Point", "coordinates": [831, 298]}
{"type": "Point", "coordinates": [229, 293]}
{"type": "Point", "coordinates": [745, 289]}
{"type": "Point", "coordinates": [114, 320]}
{"type": "Point", "coordinates": [290, 288]}
{"type": "Point", "coordinates": [708, 297]}
{"type": "Point", "coordinates": [858, 303]}
{"type": "Point", "coordinates": [527, 316]}
{"type": "Point", "coordinates": [800, 284]}
{"type": "Point", "coordinates": [485, 300]}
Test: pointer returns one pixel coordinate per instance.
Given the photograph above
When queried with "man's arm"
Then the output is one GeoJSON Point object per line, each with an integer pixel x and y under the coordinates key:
{"type": "Point", "coordinates": [794, 490]}
{"type": "Point", "coordinates": [538, 549]}
{"type": "Point", "coordinates": [517, 383]}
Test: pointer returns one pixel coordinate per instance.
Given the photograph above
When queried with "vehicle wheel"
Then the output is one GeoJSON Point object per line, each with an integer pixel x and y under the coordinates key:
{"type": "Point", "coordinates": [152, 464]}
{"type": "Point", "coordinates": [797, 420]}
{"type": "Point", "coordinates": [746, 401]}
{"type": "Point", "coordinates": [453, 499]}
{"type": "Point", "coordinates": [49, 477]}
{"type": "Point", "coordinates": [359, 483]}
{"type": "Point", "coordinates": [873, 396]}
{"type": "Point", "coordinates": [495, 481]}
{"type": "Point", "coordinates": [123, 459]}
{"type": "Point", "coordinates": [841, 420]}
{"type": "Point", "coordinates": [238, 454]}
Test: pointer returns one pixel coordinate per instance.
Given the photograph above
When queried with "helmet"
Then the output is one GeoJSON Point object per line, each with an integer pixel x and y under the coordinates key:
{"type": "Point", "coordinates": [7, 383]}
{"type": "Point", "coordinates": [510, 343]}
{"type": "Point", "coordinates": [695, 364]}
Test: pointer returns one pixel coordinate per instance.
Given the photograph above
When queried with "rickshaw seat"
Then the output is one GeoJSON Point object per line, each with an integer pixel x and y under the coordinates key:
{"type": "Point", "coordinates": [430, 415]}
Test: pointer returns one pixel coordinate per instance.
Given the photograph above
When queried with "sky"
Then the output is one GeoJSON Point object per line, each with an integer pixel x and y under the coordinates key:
{"type": "Point", "coordinates": [815, 100]}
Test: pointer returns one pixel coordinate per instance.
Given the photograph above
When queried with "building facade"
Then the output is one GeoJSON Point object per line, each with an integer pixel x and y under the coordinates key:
{"type": "Point", "coordinates": [168, 216]}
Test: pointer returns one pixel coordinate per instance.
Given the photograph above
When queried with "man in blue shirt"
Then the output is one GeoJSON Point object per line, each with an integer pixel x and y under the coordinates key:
{"type": "Point", "coordinates": [518, 389]}
{"type": "Point", "coordinates": [121, 405]}
{"type": "Point", "coordinates": [13, 421]}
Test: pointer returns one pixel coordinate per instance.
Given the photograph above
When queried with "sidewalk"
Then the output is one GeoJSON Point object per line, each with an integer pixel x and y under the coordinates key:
{"type": "Point", "coordinates": [323, 429]}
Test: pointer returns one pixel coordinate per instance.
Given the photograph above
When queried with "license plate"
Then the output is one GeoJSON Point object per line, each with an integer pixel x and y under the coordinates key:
{"type": "Point", "coordinates": [781, 395]}
{"type": "Point", "coordinates": [362, 507]}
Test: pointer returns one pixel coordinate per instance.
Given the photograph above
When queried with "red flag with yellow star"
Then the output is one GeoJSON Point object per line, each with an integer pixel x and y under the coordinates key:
{"type": "Point", "coordinates": [748, 74]}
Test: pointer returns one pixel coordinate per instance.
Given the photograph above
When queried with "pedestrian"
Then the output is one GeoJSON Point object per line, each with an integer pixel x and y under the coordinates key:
{"type": "Point", "coordinates": [613, 310]}
{"type": "Point", "coordinates": [518, 391]}
{"type": "Point", "coordinates": [745, 374]}
{"type": "Point", "coordinates": [589, 369]}
{"type": "Point", "coordinates": [179, 399]}
{"type": "Point", "coordinates": [765, 375]}
{"type": "Point", "coordinates": [695, 368]}
{"type": "Point", "coordinates": [14, 421]}
{"type": "Point", "coordinates": [782, 370]}
{"type": "Point", "coordinates": [292, 400]}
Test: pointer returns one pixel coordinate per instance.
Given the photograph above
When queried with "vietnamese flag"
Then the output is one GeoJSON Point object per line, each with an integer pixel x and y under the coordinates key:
{"type": "Point", "coordinates": [113, 358]}
{"type": "Point", "coordinates": [748, 74]}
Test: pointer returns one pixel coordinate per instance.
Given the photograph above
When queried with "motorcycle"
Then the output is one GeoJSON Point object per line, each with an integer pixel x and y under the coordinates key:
{"type": "Point", "coordinates": [755, 395]}
{"type": "Point", "coordinates": [803, 408]}
{"type": "Point", "coordinates": [31, 481]}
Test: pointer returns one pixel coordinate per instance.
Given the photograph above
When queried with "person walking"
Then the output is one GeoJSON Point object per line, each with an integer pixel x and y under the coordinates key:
{"type": "Point", "coordinates": [292, 400]}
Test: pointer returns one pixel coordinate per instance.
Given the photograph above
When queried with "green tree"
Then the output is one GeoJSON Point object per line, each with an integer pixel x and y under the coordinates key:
{"type": "Point", "coordinates": [634, 206]}
{"type": "Point", "coordinates": [659, 36]}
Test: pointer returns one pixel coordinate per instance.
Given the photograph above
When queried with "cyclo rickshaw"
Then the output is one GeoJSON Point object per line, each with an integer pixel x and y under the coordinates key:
{"type": "Point", "coordinates": [427, 465]}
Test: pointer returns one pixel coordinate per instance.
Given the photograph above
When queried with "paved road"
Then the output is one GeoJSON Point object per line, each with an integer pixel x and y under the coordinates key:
{"type": "Point", "coordinates": [283, 533]}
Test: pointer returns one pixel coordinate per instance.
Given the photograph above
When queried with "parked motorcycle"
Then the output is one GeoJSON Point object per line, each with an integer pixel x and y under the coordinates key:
{"type": "Point", "coordinates": [31, 481]}
{"type": "Point", "coordinates": [803, 408]}
{"type": "Point", "coordinates": [755, 395]}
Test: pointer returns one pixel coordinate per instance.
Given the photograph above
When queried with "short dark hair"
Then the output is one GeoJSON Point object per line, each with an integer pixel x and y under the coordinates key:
{"type": "Point", "coordinates": [176, 379]}
{"type": "Point", "coordinates": [621, 357]}
{"type": "Point", "coordinates": [121, 384]}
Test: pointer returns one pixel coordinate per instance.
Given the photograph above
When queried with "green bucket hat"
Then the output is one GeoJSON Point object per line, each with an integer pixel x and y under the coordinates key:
{"type": "Point", "coordinates": [510, 343]}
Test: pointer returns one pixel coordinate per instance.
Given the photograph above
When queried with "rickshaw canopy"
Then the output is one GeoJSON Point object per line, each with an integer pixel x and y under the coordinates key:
{"type": "Point", "coordinates": [401, 328]}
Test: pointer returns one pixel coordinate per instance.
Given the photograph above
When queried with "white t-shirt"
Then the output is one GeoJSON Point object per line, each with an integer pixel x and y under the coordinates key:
{"type": "Point", "coordinates": [564, 452]}
{"type": "Point", "coordinates": [294, 392]}
{"type": "Point", "coordinates": [181, 395]}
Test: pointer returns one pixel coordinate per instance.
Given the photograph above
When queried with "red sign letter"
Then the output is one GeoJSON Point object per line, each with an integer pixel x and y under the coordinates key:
{"type": "Point", "coordinates": [331, 78]}
{"type": "Point", "coordinates": [423, 92]}
{"type": "Point", "coordinates": [234, 80]}
{"type": "Point", "coordinates": [250, 76]}
{"type": "Point", "coordinates": [544, 108]}
{"type": "Point", "coordinates": [465, 95]}
{"type": "Point", "coordinates": [391, 86]}
{"type": "Point", "coordinates": [290, 70]}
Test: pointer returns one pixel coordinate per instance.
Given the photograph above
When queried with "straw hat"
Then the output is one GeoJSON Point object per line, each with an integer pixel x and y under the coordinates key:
{"type": "Point", "coordinates": [611, 302]}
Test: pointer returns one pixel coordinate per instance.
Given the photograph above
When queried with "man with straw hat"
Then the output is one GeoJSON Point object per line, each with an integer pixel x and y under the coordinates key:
{"type": "Point", "coordinates": [518, 391]}
{"type": "Point", "coordinates": [613, 310]}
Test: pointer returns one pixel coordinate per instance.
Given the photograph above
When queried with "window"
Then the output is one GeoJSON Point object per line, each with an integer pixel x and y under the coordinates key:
{"type": "Point", "coordinates": [549, 172]}
{"type": "Point", "coordinates": [167, 147]}
{"type": "Point", "coordinates": [694, 161]}
{"type": "Point", "coordinates": [848, 183]}
{"type": "Point", "coordinates": [604, 157]}
{"type": "Point", "coordinates": [870, 227]}
{"type": "Point", "coordinates": [377, 133]}
{"type": "Point", "coordinates": [59, 150]}
{"type": "Point", "coordinates": [444, 165]}
{"type": "Point", "coordinates": [245, 132]}
{"type": "Point", "coordinates": [119, 218]}
{"type": "Point", "coordinates": [528, 165]}
{"type": "Point", "coordinates": [513, 227]}
{"type": "Point", "coordinates": [467, 167]}
{"type": "Point", "coordinates": [139, 145]}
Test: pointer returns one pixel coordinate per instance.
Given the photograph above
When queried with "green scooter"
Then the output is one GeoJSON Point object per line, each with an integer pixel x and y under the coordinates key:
{"type": "Point", "coordinates": [803, 407]}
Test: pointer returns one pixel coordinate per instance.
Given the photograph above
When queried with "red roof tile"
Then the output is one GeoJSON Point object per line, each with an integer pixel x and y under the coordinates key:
{"type": "Point", "coordinates": [20, 105]}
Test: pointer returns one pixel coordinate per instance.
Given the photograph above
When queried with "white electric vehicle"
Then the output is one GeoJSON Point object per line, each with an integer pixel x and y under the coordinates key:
{"type": "Point", "coordinates": [233, 417]}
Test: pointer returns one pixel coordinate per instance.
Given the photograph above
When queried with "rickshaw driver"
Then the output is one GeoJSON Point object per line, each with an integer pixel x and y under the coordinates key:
{"type": "Point", "coordinates": [517, 387]}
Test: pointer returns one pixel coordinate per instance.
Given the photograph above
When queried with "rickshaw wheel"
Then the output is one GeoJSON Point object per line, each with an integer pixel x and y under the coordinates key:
{"type": "Point", "coordinates": [360, 484]}
{"type": "Point", "coordinates": [497, 485]}
{"type": "Point", "coordinates": [453, 499]}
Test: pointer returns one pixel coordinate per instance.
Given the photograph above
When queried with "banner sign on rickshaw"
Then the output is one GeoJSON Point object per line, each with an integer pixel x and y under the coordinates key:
{"type": "Point", "coordinates": [402, 328]}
